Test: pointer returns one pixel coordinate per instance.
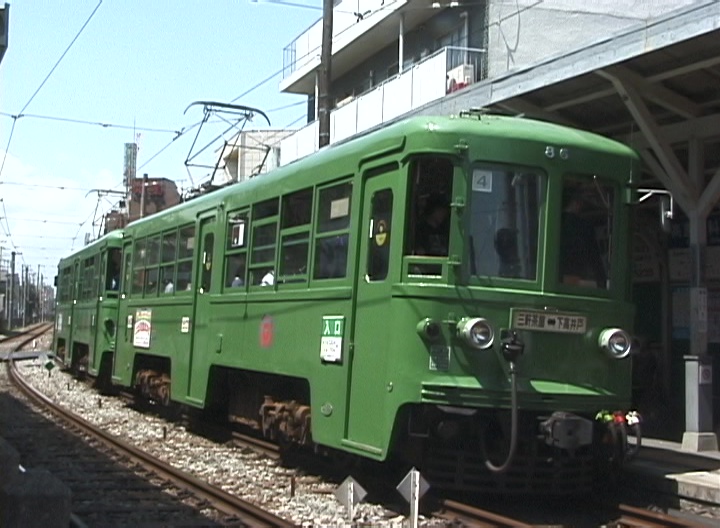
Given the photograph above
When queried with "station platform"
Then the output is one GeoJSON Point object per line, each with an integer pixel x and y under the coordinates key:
{"type": "Point", "coordinates": [664, 466]}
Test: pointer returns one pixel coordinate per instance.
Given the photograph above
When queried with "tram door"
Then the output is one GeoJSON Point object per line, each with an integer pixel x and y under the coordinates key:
{"type": "Point", "coordinates": [125, 313]}
{"type": "Point", "coordinates": [368, 383]}
{"type": "Point", "coordinates": [73, 319]}
{"type": "Point", "coordinates": [200, 322]}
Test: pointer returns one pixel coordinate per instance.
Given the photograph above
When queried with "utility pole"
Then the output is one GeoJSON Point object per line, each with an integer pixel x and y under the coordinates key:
{"type": "Point", "coordinates": [324, 75]}
{"type": "Point", "coordinates": [38, 302]}
{"type": "Point", "coordinates": [142, 195]}
{"type": "Point", "coordinates": [11, 299]}
{"type": "Point", "coordinates": [26, 283]}
{"type": "Point", "coordinates": [4, 305]}
{"type": "Point", "coordinates": [42, 297]}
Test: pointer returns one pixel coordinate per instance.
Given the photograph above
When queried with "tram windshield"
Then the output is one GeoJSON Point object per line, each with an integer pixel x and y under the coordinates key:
{"type": "Point", "coordinates": [112, 275]}
{"type": "Point", "coordinates": [504, 229]}
{"type": "Point", "coordinates": [586, 232]}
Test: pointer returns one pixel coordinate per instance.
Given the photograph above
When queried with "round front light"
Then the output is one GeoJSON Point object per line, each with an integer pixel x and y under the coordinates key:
{"type": "Point", "coordinates": [615, 342]}
{"type": "Point", "coordinates": [476, 332]}
{"type": "Point", "coordinates": [428, 329]}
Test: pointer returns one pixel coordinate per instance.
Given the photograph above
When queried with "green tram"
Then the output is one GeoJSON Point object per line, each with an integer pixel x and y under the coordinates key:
{"type": "Point", "coordinates": [86, 312]}
{"type": "Point", "coordinates": [451, 292]}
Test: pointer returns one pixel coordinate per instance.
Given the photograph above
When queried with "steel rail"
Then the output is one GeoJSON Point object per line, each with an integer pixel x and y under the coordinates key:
{"type": "Point", "coordinates": [634, 517]}
{"type": "Point", "coordinates": [29, 331]}
{"type": "Point", "coordinates": [223, 501]}
{"type": "Point", "coordinates": [471, 516]}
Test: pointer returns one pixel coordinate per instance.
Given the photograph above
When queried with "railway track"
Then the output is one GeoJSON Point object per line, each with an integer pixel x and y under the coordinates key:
{"type": "Point", "coordinates": [112, 482]}
{"type": "Point", "coordinates": [634, 517]}
{"type": "Point", "coordinates": [161, 484]}
{"type": "Point", "coordinates": [465, 515]}
{"type": "Point", "coordinates": [24, 336]}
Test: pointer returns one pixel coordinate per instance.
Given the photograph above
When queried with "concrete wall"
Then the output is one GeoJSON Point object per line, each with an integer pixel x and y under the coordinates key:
{"type": "Point", "coordinates": [526, 31]}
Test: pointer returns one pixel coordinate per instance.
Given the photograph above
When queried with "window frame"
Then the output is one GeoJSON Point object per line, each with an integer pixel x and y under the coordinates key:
{"type": "Point", "coordinates": [232, 251]}
{"type": "Point", "coordinates": [263, 214]}
{"type": "Point", "coordinates": [322, 234]}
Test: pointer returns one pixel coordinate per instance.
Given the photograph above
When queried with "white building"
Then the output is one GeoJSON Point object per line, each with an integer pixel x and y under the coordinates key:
{"type": "Point", "coordinates": [443, 47]}
{"type": "Point", "coordinates": [249, 153]}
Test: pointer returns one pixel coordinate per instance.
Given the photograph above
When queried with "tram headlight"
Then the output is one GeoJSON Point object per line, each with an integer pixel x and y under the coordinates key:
{"type": "Point", "coordinates": [429, 329]}
{"type": "Point", "coordinates": [615, 342]}
{"type": "Point", "coordinates": [476, 332]}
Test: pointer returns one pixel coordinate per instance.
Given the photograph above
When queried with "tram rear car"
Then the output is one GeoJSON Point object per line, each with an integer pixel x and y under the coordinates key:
{"type": "Point", "coordinates": [319, 305]}
{"type": "Point", "coordinates": [86, 310]}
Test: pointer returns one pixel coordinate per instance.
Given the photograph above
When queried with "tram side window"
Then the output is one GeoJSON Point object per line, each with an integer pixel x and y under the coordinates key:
{"type": "Point", "coordinates": [138, 279]}
{"type": "Point", "coordinates": [89, 279]}
{"type": "Point", "coordinates": [112, 272]}
{"type": "Point", "coordinates": [429, 212]}
{"type": "Point", "coordinates": [66, 285]}
{"type": "Point", "coordinates": [236, 251]}
{"type": "Point", "coordinates": [379, 248]}
{"type": "Point", "coordinates": [97, 274]}
{"type": "Point", "coordinates": [295, 236]}
{"type": "Point", "coordinates": [185, 249]}
{"type": "Point", "coordinates": [69, 284]}
{"type": "Point", "coordinates": [128, 271]}
{"type": "Point", "coordinates": [152, 261]}
{"type": "Point", "coordinates": [60, 283]}
{"type": "Point", "coordinates": [430, 206]}
{"type": "Point", "coordinates": [207, 262]}
{"type": "Point", "coordinates": [332, 232]}
{"type": "Point", "coordinates": [77, 281]}
{"type": "Point", "coordinates": [264, 242]}
{"type": "Point", "coordinates": [167, 266]}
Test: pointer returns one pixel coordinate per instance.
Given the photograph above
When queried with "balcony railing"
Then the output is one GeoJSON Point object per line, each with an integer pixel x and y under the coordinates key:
{"type": "Point", "coordinates": [349, 17]}
{"type": "Point", "coordinates": [447, 70]}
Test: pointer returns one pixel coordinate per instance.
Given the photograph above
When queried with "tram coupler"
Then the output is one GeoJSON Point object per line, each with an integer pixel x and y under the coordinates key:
{"type": "Point", "coordinates": [566, 431]}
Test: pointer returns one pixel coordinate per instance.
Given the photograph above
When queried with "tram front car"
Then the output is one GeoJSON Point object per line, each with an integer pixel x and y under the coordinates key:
{"type": "Point", "coordinates": [522, 305]}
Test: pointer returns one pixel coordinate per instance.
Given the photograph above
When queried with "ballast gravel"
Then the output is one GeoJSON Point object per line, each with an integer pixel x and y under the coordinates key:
{"type": "Point", "coordinates": [239, 471]}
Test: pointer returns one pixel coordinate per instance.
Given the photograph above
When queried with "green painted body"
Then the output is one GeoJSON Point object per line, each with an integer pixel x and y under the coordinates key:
{"type": "Point", "coordinates": [385, 364]}
{"type": "Point", "coordinates": [82, 322]}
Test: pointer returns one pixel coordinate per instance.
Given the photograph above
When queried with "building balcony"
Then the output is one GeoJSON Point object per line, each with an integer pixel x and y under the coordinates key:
{"type": "Point", "coordinates": [447, 70]}
{"type": "Point", "coordinates": [360, 30]}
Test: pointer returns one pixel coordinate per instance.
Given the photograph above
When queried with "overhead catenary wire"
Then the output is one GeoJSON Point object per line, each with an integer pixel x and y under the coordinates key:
{"type": "Point", "coordinates": [62, 56]}
{"type": "Point", "coordinates": [40, 220]}
{"type": "Point", "coordinates": [30, 100]}
{"type": "Point", "coordinates": [41, 186]}
{"type": "Point", "coordinates": [78, 121]}
{"type": "Point", "coordinates": [57, 63]}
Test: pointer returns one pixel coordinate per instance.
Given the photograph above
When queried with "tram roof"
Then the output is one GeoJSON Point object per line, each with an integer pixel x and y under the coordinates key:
{"type": "Point", "coordinates": [112, 238]}
{"type": "Point", "coordinates": [670, 64]}
{"type": "Point", "coordinates": [389, 136]}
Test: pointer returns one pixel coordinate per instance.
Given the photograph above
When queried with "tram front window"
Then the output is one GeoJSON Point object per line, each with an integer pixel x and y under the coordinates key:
{"type": "Point", "coordinates": [586, 232]}
{"type": "Point", "coordinates": [505, 221]}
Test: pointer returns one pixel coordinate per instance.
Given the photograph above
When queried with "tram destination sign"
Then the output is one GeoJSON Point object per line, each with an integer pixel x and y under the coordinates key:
{"type": "Point", "coordinates": [549, 321]}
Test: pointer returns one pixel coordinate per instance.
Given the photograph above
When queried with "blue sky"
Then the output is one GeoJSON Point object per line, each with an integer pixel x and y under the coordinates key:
{"type": "Point", "coordinates": [137, 63]}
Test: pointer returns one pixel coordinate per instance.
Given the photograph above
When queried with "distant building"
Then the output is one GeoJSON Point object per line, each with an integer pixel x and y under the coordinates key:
{"type": "Point", "coordinates": [115, 220]}
{"type": "Point", "coordinates": [249, 153]}
{"type": "Point", "coordinates": [160, 194]}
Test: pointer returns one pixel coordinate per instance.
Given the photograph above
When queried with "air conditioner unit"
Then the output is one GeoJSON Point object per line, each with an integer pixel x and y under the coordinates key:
{"type": "Point", "coordinates": [463, 74]}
